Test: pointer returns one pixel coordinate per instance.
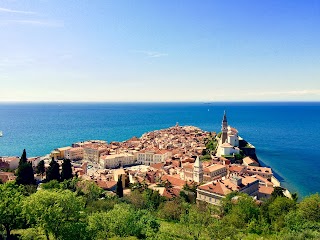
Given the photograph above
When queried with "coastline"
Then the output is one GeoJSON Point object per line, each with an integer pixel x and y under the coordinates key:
{"type": "Point", "coordinates": [180, 144]}
{"type": "Point", "coordinates": [281, 134]}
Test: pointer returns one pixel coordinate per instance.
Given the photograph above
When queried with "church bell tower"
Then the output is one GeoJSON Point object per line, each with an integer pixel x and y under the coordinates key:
{"type": "Point", "coordinates": [197, 171]}
{"type": "Point", "coordinates": [224, 128]}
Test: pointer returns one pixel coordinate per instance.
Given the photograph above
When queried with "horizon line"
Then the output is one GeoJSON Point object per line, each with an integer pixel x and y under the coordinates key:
{"type": "Point", "coordinates": [204, 102]}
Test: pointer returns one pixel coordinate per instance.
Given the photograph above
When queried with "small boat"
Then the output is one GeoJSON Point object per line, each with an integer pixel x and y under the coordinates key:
{"type": "Point", "coordinates": [1, 134]}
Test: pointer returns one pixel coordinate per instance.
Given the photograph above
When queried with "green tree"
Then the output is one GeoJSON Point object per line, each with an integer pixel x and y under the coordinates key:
{"type": "Point", "coordinates": [11, 198]}
{"type": "Point", "coordinates": [122, 221]}
{"type": "Point", "coordinates": [119, 188]}
{"type": "Point", "coordinates": [277, 192]}
{"type": "Point", "coordinates": [71, 184]}
{"type": "Point", "coordinates": [56, 212]}
{"type": "Point", "coordinates": [66, 172]}
{"type": "Point", "coordinates": [242, 210]}
{"type": "Point", "coordinates": [23, 158]}
{"type": "Point", "coordinates": [152, 199]}
{"type": "Point", "coordinates": [53, 172]}
{"type": "Point", "coordinates": [227, 204]}
{"type": "Point", "coordinates": [220, 230]}
{"type": "Point", "coordinates": [294, 221]}
{"type": "Point", "coordinates": [25, 174]}
{"type": "Point", "coordinates": [137, 199]}
{"type": "Point", "coordinates": [278, 209]}
{"type": "Point", "coordinates": [309, 207]}
{"type": "Point", "coordinates": [196, 220]}
{"type": "Point", "coordinates": [89, 190]}
{"type": "Point", "coordinates": [53, 184]}
{"type": "Point", "coordinates": [171, 210]}
{"type": "Point", "coordinates": [295, 197]}
{"type": "Point", "coordinates": [41, 168]}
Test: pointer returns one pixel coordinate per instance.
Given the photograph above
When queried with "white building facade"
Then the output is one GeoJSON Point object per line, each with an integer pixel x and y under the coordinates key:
{"type": "Point", "coordinates": [74, 153]}
{"type": "Point", "coordinates": [148, 157]}
{"type": "Point", "coordinates": [116, 160]}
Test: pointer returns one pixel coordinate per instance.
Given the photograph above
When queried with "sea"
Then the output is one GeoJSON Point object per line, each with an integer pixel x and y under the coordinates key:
{"type": "Point", "coordinates": [286, 134]}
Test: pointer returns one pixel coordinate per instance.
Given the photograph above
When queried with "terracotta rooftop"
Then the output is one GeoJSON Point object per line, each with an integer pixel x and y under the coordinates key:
{"type": "Point", "coordinates": [266, 190]}
{"type": "Point", "coordinates": [223, 187]}
{"type": "Point", "coordinates": [133, 139]}
{"type": "Point", "coordinates": [64, 148]}
{"type": "Point", "coordinates": [213, 168]}
{"type": "Point", "coordinates": [233, 130]}
{"type": "Point", "coordinates": [76, 149]}
{"type": "Point", "coordinates": [157, 165]}
{"type": "Point", "coordinates": [175, 163]}
{"type": "Point", "coordinates": [175, 180]}
{"type": "Point", "coordinates": [106, 184]}
{"type": "Point", "coordinates": [188, 166]}
{"type": "Point", "coordinates": [249, 160]}
{"type": "Point", "coordinates": [7, 176]}
{"type": "Point", "coordinates": [226, 145]}
{"type": "Point", "coordinates": [247, 180]}
{"type": "Point", "coordinates": [265, 180]}
{"type": "Point", "coordinates": [217, 188]}
{"type": "Point", "coordinates": [259, 169]}
{"type": "Point", "coordinates": [235, 168]}
{"type": "Point", "coordinates": [154, 150]}
{"type": "Point", "coordinates": [171, 192]}
{"type": "Point", "coordinates": [9, 159]}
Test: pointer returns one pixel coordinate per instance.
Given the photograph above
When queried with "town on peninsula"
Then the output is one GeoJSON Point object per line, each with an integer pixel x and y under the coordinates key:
{"type": "Point", "coordinates": [175, 183]}
{"type": "Point", "coordinates": [169, 161]}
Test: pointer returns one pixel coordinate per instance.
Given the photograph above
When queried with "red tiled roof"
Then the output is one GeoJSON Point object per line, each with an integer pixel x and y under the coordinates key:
{"type": "Point", "coordinates": [213, 168]}
{"type": "Point", "coordinates": [265, 180]}
{"type": "Point", "coordinates": [188, 166]}
{"type": "Point", "coordinates": [266, 190]}
{"type": "Point", "coordinates": [217, 188]}
{"type": "Point", "coordinates": [249, 160]}
{"type": "Point", "coordinates": [226, 145]}
{"type": "Point", "coordinates": [259, 169]}
{"type": "Point", "coordinates": [174, 180]}
{"type": "Point", "coordinates": [226, 186]}
{"type": "Point", "coordinates": [171, 192]}
{"type": "Point", "coordinates": [175, 163]}
{"type": "Point", "coordinates": [106, 184]}
{"type": "Point", "coordinates": [7, 176]}
{"type": "Point", "coordinates": [133, 139]}
{"type": "Point", "coordinates": [157, 165]}
{"type": "Point", "coordinates": [236, 168]}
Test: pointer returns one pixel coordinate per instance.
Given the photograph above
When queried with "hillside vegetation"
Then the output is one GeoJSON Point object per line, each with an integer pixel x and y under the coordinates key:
{"type": "Point", "coordinates": [76, 209]}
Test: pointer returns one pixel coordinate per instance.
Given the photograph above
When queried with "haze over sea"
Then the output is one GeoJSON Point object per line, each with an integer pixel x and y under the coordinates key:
{"type": "Point", "coordinates": [286, 135]}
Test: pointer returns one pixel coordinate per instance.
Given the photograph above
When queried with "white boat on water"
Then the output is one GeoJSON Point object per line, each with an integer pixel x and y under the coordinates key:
{"type": "Point", "coordinates": [1, 134]}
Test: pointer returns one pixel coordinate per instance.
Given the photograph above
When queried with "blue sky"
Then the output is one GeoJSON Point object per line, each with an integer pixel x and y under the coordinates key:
{"type": "Point", "coordinates": [159, 50]}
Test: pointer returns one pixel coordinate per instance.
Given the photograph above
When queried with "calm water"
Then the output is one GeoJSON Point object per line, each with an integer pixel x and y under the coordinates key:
{"type": "Point", "coordinates": [286, 135]}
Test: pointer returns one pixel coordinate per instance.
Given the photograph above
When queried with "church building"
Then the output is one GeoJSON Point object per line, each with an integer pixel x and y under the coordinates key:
{"type": "Point", "coordinates": [229, 141]}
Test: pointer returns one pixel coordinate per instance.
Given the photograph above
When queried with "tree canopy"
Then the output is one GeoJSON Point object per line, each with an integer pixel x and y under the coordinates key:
{"type": "Point", "coordinates": [57, 212]}
{"type": "Point", "coordinates": [66, 172]}
{"type": "Point", "coordinates": [119, 188]}
{"type": "Point", "coordinates": [41, 168]}
{"type": "Point", "coordinates": [77, 209]}
{"type": "Point", "coordinates": [53, 172]}
{"type": "Point", "coordinates": [25, 175]}
{"type": "Point", "coordinates": [11, 198]}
